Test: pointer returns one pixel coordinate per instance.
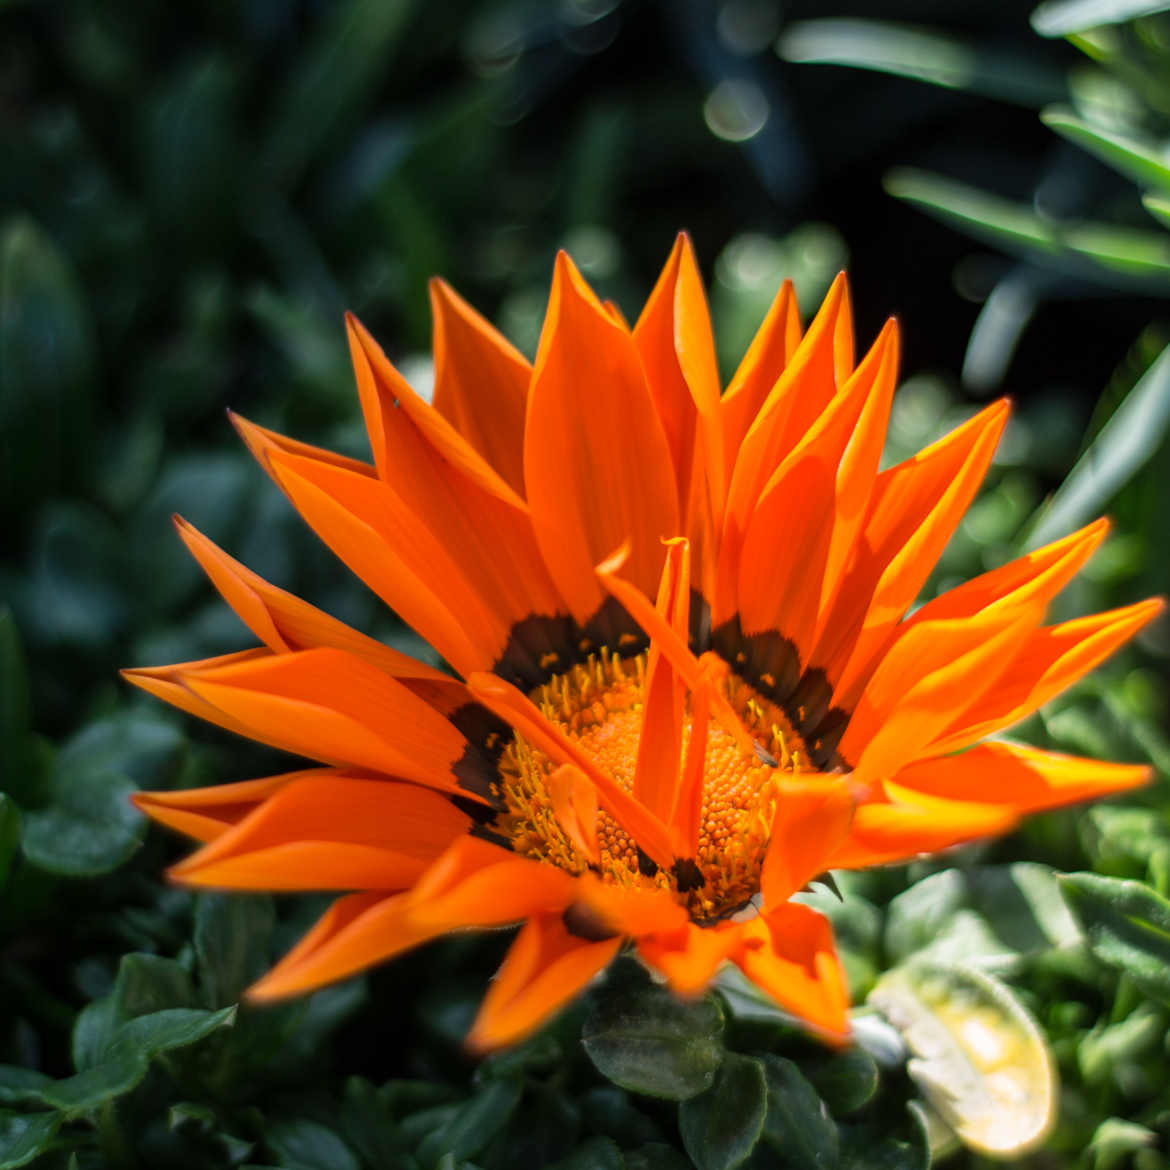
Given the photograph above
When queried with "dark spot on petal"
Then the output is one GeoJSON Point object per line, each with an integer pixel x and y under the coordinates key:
{"type": "Point", "coordinates": [647, 866]}
{"type": "Point", "coordinates": [687, 875]}
{"type": "Point", "coordinates": [582, 921]}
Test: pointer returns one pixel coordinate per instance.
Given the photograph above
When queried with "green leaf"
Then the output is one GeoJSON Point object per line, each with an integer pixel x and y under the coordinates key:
{"type": "Point", "coordinates": [19, 1084]}
{"type": "Point", "coordinates": [720, 1127]}
{"type": "Point", "coordinates": [922, 55]}
{"type": "Point", "coordinates": [1060, 18]}
{"type": "Point", "coordinates": [869, 1147]}
{"type": "Point", "coordinates": [1141, 161]}
{"type": "Point", "coordinates": [306, 1145]}
{"type": "Point", "coordinates": [232, 941]}
{"type": "Point", "coordinates": [798, 1125]}
{"type": "Point", "coordinates": [846, 1081]}
{"type": "Point", "coordinates": [1119, 256]}
{"type": "Point", "coordinates": [24, 1136]}
{"type": "Point", "coordinates": [125, 1061]}
{"type": "Point", "coordinates": [92, 1032]}
{"type": "Point", "coordinates": [598, 1153]}
{"type": "Point", "coordinates": [475, 1124]}
{"type": "Point", "coordinates": [1115, 1139]}
{"type": "Point", "coordinates": [1128, 927]}
{"type": "Point", "coordinates": [646, 1040]}
{"type": "Point", "coordinates": [657, 1156]}
{"type": "Point", "coordinates": [150, 983]}
{"type": "Point", "coordinates": [91, 828]}
{"type": "Point", "coordinates": [1122, 447]}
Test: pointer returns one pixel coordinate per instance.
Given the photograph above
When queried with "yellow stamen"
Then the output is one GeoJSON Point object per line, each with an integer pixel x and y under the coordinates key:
{"type": "Point", "coordinates": [599, 703]}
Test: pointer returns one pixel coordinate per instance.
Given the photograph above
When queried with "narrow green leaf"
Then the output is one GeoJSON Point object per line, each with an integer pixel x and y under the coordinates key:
{"type": "Point", "coordinates": [797, 1125]}
{"type": "Point", "coordinates": [647, 1040]}
{"type": "Point", "coordinates": [476, 1123]}
{"type": "Point", "coordinates": [24, 1136]}
{"type": "Point", "coordinates": [306, 1145]}
{"type": "Point", "coordinates": [345, 57]}
{"type": "Point", "coordinates": [1158, 206]}
{"type": "Point", "coordinates": [922, 55]}
{"type": "Point", "coordinates": [1141, 161]}
{"type": "Point", "coordinates": [1117, 255]}
{"type": "Point", "coordinates": [1128, 927]}
{"type": "Point", "coordinates": [1124, 445]}
{"type": "Point", "coordinates": [720, 1127]}
{"type": "Point", "coordinates": [1061, 18]}
{"type": "Point", "coordinates": [46, 365]}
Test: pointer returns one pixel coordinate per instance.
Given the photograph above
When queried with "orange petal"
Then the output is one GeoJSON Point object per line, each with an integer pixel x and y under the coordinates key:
{"type": "Point", "coordinates": [596, 460]}
{"type": "Point", "coordinates": [1037, 576]}
{"type": "Point", "coordinates": [514, 707]}
{"type": "Point", "coordinates": [690, 957]}
{"type": "Point", "coordinates": [166, 683]}
{"type": "Point", "coordinates": [574, 803]}
{"type": "Point", "coordinates": [331, 706]}
{"type": "Point", "coordinates": [767, 356]}
{"type": "Point", "coordinates": [261, 441]}
{"type": "Point", "coordinates": [1024, 779]}
{"type": "Point", "coordinates": [789, 954]}
{"type": "Point", "coordinates": [671, 644]}
{"type": "Point", "coordinates": [545, 967]}
{"type": "Point", "coordinates": [928, 675]}
{"type": "Point", "coordinates": [812, 817]}
{"type": "Point", "coordinates": [913, 512]}
{"type": "Point", "coordinates": [206, 813]}
{"type": "Point", "coordinates": [284, 622]}
{"type": "Point", "coordinates": [656, 773]}
{"type": "Point", "coordinates": [330, 832]}
{"type": "Point", "coordinates": [822, 361]}
{"type": "Point", "coordinates": [472, 884]}
{"type": "Point", "coordinates": [385, 393]}
{"type": "Point", "coordinates": [804, 526]}
{"type": "Point", "coordinates": [630, 912]}
{"type": "Point", "coordinates": [396, 555]}
{"type": "Point", "coordinates": [481, 383]}
{"type": "Point", "coordinates": [1052, 659]}
{"type": "Point", "coordinates": [481, 524]}
{"type": "Point", "coordinates": [912, 823]}
{"type": "Point", "coordinates": [673, 336]}
{"type": "Point", "coordinates": [687, 817]}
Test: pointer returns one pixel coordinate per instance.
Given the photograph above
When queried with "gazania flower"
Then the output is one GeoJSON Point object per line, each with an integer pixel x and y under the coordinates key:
{"type": "Point", "coordinates": [683, 679]}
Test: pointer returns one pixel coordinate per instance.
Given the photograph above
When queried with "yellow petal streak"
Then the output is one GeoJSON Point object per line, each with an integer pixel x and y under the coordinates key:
{"type": "Point", "coordinates": [599, 704]}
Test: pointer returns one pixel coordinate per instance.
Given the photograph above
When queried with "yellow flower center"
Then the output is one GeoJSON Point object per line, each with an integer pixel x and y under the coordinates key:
{"type": "Point", "coordinates": [599, 704]}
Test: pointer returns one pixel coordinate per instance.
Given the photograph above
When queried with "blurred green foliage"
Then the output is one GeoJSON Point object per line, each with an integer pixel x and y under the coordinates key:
{"type": "Point", "coordinates": [190, 197]}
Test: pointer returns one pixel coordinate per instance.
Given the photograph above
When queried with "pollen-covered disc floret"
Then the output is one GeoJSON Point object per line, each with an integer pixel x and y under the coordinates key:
{"type": "Point", "coordinates": [599, 704]}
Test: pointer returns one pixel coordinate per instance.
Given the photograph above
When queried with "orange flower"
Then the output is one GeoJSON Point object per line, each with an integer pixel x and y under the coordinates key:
{"type": "Point", "coordinates": [684, 679]}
